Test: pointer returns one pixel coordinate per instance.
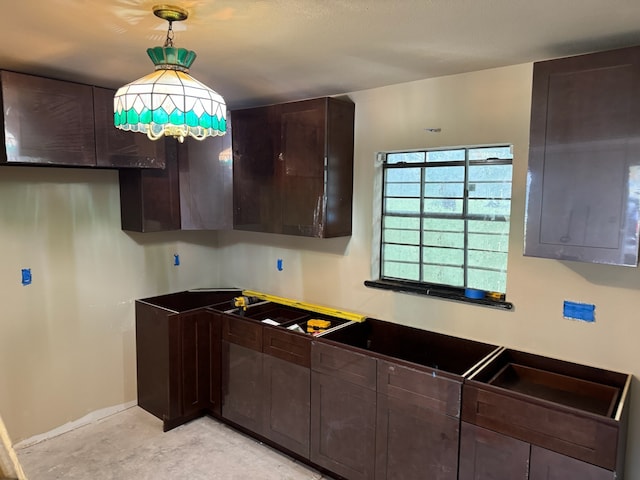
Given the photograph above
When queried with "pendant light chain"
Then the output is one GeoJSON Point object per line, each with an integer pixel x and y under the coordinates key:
{"type": "Point", "coordinates": [169, 41]}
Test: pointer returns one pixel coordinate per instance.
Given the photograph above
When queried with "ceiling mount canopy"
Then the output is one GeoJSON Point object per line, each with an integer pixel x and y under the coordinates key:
{"type": "Point", "coordinates": [169, 101]}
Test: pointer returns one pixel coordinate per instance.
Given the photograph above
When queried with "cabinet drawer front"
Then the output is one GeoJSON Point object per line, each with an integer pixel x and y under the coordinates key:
{"type": "Point", "coordinates": [345, 364]}
{"type": "Point", "coordinates": [560, 429]}
{"type": "Point", "coordinates": [246, 333]}
{"type": "Point", "coordinates": [420, 388]}
{"type": "Point", "coordinates": [287, 346]}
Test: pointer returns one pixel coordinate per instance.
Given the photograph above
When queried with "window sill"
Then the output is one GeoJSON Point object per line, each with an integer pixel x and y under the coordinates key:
{"type": "Point", "coordinates": [456, 295]}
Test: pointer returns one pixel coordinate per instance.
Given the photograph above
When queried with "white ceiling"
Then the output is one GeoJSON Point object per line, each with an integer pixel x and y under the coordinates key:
{"type": "Point", "coordinates": [262, 51]}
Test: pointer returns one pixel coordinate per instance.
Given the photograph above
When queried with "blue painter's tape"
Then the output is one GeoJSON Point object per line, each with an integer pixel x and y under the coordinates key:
{"type": "Point", "coordinates": [176, 259]}
{"type": "Point", "coordinates": [26, 276]}
{"type": "Point", "coordinates": [579, 311]}
{"type": "Point", "coordinates": [279, 265]}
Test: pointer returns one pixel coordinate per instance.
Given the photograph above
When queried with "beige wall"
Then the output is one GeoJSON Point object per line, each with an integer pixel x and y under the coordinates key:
{"type": "Point", "coordinates": [67, 342]}
{"type": "Point", "coordinates": [476, 108]}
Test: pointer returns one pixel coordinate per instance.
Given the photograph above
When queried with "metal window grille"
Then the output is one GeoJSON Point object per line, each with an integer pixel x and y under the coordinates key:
{"type": "Point", "coordinates": [445, 216]}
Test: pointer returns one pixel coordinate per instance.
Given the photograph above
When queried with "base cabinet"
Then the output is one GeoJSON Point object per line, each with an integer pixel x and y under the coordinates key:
{"type": "Point", "coordinates": [177, 355]}
{"type": "Point", "coordinates": [487, 455]}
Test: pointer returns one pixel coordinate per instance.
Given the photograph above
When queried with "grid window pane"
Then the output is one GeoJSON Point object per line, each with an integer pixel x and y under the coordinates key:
{"type": "Point", "coordinates": [453, 276]}
{"type": "Point", "coordinates": [408, 237]}
{"type": "Point", "coordinates": [402, 253]}
{"type": "Point", "coordinates": [402, 205]}
{"type": "Point", "coordinates": [406, 223]}
{"type": "Point", "coordinates": [402, 271]}
{"type": "Point", "coordinates": [443, 256]}
{"type": "Point", "coordinates": [443, 225]}
{"type": "Point", "coordinates": [446, 217]}
{"type": "Point", "coordinates": [443, 239]}
{"type": "Point", "coordinates": [446, 155]}
{"type": "Point", "coordinates": [406, 157]}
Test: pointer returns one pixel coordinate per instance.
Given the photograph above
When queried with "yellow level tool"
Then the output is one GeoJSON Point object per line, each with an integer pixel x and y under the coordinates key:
{"type": "Point", "coordinates": [354, 317]}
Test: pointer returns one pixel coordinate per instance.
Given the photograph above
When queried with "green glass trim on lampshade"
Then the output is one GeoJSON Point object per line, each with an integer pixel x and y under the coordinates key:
{"type": "Point", "coordinates": [171, 56]}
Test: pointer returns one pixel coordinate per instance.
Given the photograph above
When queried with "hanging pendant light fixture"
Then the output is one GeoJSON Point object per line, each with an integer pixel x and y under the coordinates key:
{"type": "Point", "coordinates": [169, 101]}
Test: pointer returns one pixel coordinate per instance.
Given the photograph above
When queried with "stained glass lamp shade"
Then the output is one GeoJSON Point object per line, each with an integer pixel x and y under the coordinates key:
{"type": "Point", "coordinates": [169, 101]}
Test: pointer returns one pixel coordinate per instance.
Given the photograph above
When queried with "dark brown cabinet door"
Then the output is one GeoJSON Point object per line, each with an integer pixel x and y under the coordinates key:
{"type": "Point", "coordinates": [150, 198]}
{"type": "Point", "coordinates": [548, 465]}
{"type": "Point", "coordinates": [487, 455]}
{"type": "Point", "coordinates": [343, 426]}
{"type": "Point", "coordinates": [194, 351]}
{"type": "Point", "coordinates": [206, 183]}
{"type": "Point", "coordinates": [242, 379]}
{"type": "Point", "coordinates": [293, 168]}
{"type": "Point", "coordinates": [213, 361]}
{"type": "Point", "coordinates": [584, 160]}
{"type": "Point", "coordinates": [242, 386]}
{"type": "Point", "coordinates": [287, 400]}
{"type": "Point", "coordinates": [414, 443]}
{"type": "Point", "coordinates": [343, 410]}
{"type": "Point", "coordinates": [47, 122]}
{"type": "Point", "coordinates": [192, 192]}
{"type": "Point", "coordinates": [256, 204]}
{"type": "Point", "coordinates": [117, 148]}
{"type": "Point", "coordinates": [417, 430]}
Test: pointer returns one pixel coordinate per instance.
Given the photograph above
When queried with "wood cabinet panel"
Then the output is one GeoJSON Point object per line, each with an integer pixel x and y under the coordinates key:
{"type": "Point", "coordinates": [242, 386]}
{"type": "Point", "coordinates": [285, 345]}
{"type": "Point", "coordinates": [240, 331]}
{"type": "Point", "coordinates": [571, 432]}
{"type": "Point", "coordinates": [414, 442]}
{"type": "Point", "coordinates": [177, 364]}
{"type": "Point", "coordinates": [293, 168]}
{"type": "Point", "coordinates": [46, 121]}
{"type": "Point", "coordinates": [423, 388]}
{"type": "Point", "coordinates": [150, 198]}
{"type": "Point", "coordinates": [206, 183]}
{"type": "Point", "coordinates": [487, 455]}
{"type": "Point", "coordinates": [583, 183]}
{"type": "Point", "coordinates": [213, 359]}
{"type": "Point", "coordinates": [343, 424]}
{"type": "Point", "coordinates": [287, 404]}
{"type": "Point", "coordinates": [344, 364]}
{"type": "Point", "coordinates": [547, 465]}
{"type": "Point", "coordinates": [118, 148]}
{"type": "Point", "coordinates": [255, 141]}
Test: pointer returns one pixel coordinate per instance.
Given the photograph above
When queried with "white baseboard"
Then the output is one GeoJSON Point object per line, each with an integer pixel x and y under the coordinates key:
{"type": "Point", "coordinates": [81, 422]}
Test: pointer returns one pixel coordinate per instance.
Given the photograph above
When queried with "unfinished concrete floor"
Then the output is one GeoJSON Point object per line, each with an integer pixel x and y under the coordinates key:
{"type": "Point", "coordinates": [130, 445]}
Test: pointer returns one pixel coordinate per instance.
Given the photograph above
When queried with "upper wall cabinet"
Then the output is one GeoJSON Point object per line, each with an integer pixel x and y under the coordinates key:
{"type": "Point", "coordinates": [293, 168]}
{"type": "Point", "coordinates": [117, 148]}
{"type": "Point", "coordinates": [583, 185]}
{"type": "Point", "coordinates": [47, 121]}
{"type": "Point", "coordinates": [53, 122]}
{"type": "Point", "coordinates": [193, 192]}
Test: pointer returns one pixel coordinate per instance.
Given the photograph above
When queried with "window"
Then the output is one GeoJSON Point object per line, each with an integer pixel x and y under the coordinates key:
{"type": "Point", "coordinates": [445, 217]}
